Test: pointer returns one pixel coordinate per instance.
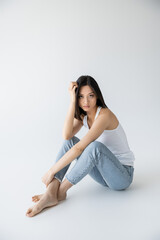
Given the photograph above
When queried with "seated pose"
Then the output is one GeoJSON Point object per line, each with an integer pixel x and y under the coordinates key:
{"type": "Point", "coordinates": [103, 153]}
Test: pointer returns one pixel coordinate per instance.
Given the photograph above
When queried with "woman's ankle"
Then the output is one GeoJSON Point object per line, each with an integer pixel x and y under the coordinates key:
{"type": "Point", "coordinates": [61, 194]}
{"type": "Point", "coordinates": [53, 186]}
{"type": "Point", "coordinates": [63, 188]}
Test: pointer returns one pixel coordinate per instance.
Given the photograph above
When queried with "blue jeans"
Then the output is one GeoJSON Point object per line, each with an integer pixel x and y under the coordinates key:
{"type": "Point", "coordinates": [97, 161]}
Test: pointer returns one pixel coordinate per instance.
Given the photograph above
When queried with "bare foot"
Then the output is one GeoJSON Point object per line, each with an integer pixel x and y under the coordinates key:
{"type": "Point", "coordinates": [48, 199]}
{"type": "Point", "coordinates": [36, 198]}
{"type": "Point", "coordinates": [61, 196]}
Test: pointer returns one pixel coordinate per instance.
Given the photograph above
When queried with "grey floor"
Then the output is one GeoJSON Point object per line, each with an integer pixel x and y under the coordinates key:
{"type": "Point", "coordinates": [90, 211]}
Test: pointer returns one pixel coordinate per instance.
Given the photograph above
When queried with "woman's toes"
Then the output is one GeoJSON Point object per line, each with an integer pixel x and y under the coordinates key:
{"type": "Point", "coordinates": [33, 211]}
{"type": "Point", "coordinates": [37, 197]}
{"type": "Point", "coordinates": [34, 199]}
{"type": "Point", "coordinates": [28, 212]}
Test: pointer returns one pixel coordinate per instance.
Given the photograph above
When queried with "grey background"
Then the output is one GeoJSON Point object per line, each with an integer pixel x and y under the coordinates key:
{"type": "Point", "coordinates": [43, 46]}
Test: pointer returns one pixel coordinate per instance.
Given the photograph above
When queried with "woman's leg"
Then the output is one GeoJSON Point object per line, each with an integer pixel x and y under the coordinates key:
{"type": "Point", "coordinates": [65, 185]}
{"type": "Point", "coordinates": [48, 199]}
{"type": "Point", "coordinates": [52, 194]}
{"type": "Point", "coordinates": [116, 175]}
{"type": "Point", "coordinates": [67, 145]}
{"type": "Point", "coordinates": [96, 175]}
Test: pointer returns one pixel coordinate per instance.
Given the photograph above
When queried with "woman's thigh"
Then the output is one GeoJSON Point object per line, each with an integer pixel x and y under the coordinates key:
{"type": "Point", "coordinates": [95, 174]}
{"type": "Point", "coordinates": [116, 175]}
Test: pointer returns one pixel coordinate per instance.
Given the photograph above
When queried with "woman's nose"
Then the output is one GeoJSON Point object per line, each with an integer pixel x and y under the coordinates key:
{"type": "Point", "coordinates": [86, 101]}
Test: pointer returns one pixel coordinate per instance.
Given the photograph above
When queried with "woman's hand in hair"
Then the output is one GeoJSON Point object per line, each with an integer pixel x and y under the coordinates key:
{"type": "Point", "coordinates": [71, 89]}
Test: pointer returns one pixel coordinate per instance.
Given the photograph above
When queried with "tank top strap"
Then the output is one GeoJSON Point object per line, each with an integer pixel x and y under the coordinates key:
{"type": "Point", "coordinates": [98, 110]}
{"type": "Point", "coordinates": [85, 117]}
{"type": "Point", "coordinates": [85, 121]}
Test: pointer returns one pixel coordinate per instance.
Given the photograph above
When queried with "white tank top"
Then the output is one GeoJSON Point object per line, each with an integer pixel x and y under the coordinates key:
{"type": "Point", "coordinates": [116, 141]}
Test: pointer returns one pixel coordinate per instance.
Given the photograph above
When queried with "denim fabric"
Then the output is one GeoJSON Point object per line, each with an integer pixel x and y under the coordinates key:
{"type": "Point", "coordinates": [97, 161]}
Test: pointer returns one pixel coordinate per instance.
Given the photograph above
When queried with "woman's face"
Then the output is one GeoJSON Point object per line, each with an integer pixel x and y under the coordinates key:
{"type": "Point", "coordinates": [87, 99]}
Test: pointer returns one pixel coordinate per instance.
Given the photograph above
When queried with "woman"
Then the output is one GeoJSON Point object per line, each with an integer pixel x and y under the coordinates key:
{"type": "Point", "coordinates": [103, 152]}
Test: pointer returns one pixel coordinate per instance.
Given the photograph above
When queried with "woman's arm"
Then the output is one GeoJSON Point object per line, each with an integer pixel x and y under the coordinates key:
{"type": "Point", "coordinates": [68, 124]}
{"type": "Point", "coordinates": [64, 161]}
{"type": "Point", "coordinates": [67, 132]}
{"type": "Point", "coordinates": [67, 158]}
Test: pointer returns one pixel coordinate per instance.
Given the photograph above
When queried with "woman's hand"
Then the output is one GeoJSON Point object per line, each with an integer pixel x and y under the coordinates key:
{"type": "Point", "coordinates": [71, 89]}
{"type": "Point", "coordinates": [48, 177]}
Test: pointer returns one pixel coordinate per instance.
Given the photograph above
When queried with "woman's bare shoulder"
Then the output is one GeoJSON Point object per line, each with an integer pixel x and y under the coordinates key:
{"type": "Point", "coordinates": [113, 120]}
{"type": "Point", "coordinates": [104, 111]}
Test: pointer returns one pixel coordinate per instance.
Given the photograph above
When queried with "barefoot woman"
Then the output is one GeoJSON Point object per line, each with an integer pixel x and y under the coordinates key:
{"type": "Point", "coordinates": [103, 152]}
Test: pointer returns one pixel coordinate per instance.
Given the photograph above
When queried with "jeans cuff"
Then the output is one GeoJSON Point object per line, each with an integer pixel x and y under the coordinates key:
{"type": "Point", "coordinates": [58, 179]}
{"type": "Point", "coordinates": [70, 181]}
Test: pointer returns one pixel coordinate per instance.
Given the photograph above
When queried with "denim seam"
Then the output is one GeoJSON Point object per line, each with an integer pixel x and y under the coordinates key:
{"type": "Point", "coordinates": [75, 179]}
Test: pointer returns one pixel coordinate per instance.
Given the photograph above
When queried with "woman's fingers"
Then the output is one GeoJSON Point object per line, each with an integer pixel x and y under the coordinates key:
{"type": "Point", "coordinates": [72, 85]}
{"type": "Point", "coordinates": [72, 89]}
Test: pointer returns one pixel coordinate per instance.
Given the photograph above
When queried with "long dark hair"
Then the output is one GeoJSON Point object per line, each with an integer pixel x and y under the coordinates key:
{"type": "Point", "coordinates": [90, 81]}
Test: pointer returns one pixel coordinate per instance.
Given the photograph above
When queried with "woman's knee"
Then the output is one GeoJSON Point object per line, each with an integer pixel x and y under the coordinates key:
{"type": "Point", "coordinates": [93, 145]}
{"type": "Point", "coordinates": [94, 148]}
{"type": "Point", "coordinates": [72, 141]}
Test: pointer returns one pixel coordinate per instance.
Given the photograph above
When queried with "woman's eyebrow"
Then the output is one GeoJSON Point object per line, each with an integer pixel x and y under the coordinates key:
{"type": "Point", "coordinates": [87, 94]}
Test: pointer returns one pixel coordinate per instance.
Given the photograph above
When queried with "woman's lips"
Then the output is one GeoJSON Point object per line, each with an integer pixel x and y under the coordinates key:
{"type": "Point", "coordinates": [85, 106]}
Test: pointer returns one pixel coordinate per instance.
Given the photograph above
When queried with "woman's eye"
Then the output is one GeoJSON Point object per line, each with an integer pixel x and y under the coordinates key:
{"type": "Point", "coordinates": [89, 95]}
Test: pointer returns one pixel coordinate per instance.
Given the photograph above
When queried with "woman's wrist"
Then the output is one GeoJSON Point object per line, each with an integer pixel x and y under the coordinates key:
{"type": "Point", "coordinates": [73, 102]}
{"type": "Point", "coordinates": [52, 171]}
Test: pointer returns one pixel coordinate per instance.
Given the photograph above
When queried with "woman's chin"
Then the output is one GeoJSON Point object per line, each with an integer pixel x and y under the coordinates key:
{"type": "Point", "coordinates": [86, 108]}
